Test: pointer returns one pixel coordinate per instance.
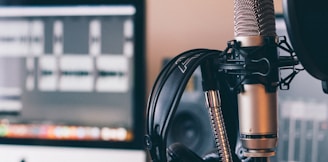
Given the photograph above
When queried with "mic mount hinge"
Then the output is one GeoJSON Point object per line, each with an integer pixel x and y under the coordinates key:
{"type": "Point", "coordinates": [233, 62]}
{"type": "Point", "coordinates": [287, 63]}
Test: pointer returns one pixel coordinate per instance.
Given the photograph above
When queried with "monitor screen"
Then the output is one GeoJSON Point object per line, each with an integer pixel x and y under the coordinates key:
{"type": "Point", "coordinates": [72, 75]}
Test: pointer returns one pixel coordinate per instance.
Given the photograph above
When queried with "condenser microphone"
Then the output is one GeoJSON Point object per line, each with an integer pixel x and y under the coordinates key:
{"type": "Point", "coordinates": [254, 28]}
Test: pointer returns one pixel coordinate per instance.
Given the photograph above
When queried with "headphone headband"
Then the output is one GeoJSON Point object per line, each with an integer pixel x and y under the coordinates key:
{"type": "Point", "coordinates": [166, 94]}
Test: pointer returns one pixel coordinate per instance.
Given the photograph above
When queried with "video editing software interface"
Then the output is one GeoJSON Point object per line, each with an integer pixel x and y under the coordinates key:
{"type": "Point", "coordinates": [67, 74]}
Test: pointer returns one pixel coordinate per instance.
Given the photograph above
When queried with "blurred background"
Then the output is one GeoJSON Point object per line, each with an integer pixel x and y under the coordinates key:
{"type": "Point", "coordinates": [173, 27]}
{"type": "Point", "coordinates": [95, 82]}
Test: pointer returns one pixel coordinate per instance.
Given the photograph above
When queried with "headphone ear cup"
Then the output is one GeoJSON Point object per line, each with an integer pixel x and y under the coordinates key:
{"type": "Point", "coordinates": [179, 153]}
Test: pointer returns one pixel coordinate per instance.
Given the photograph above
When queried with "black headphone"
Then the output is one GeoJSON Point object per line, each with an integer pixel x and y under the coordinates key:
{"type": "Point", "coordinates": [163, 102]}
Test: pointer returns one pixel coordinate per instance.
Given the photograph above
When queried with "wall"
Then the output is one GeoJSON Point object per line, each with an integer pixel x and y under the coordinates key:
{"type": "Point", "coordinates": [174, 26]}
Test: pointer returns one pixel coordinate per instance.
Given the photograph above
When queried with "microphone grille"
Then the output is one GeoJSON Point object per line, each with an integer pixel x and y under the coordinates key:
{"type": "Point", "coordinates": [254, 17]}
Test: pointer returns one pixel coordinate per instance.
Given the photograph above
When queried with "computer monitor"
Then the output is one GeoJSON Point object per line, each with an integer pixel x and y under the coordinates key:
{"type": "Point", "coordinates": [72, 78]}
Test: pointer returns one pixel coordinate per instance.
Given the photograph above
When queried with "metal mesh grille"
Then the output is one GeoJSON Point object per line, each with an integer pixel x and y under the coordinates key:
{"type": "Point", "coordinates": [254, 17]}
